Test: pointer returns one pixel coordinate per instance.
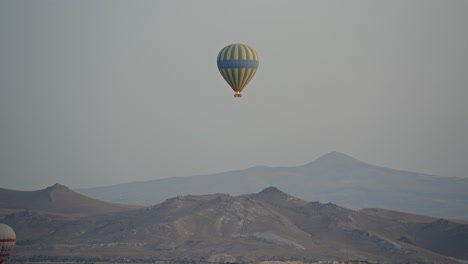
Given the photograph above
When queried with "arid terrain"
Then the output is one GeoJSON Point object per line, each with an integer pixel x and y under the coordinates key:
{"type": "Point", "coordinates": [266, 225]}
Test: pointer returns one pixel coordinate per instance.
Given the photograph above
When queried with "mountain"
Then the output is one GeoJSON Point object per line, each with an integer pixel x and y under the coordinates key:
{"type": "Point", "coordinates": [267, 225]}
{"type": "Point", "coordinates": [334, 177]}
{"type": "Point", "coordinates": [57, 199]}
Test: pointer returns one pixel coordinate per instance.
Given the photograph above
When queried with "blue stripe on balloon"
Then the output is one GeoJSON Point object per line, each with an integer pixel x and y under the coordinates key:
{"type": "Point", "coordinates": [224, 64]}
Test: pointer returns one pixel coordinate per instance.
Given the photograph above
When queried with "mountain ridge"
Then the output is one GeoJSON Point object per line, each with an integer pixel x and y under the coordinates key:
{"type": "Point", "coordinates": [334, 177]}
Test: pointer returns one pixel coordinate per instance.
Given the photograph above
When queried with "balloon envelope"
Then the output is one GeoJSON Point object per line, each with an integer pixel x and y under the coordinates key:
{"type": "Point", "coordinates": [7, 241]}
{"type": "Point", "coordinates": [237, 63]}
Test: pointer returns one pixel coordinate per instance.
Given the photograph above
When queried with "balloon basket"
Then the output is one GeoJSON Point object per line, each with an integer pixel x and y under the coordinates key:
{"type": "Point", "coordinates": [237, 95]}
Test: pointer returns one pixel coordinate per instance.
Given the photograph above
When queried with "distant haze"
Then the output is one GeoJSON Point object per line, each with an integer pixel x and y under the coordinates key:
{"type": "Point", "coordinates": [95, 93]}
{"type": "Point", "coordinates": [334, 177]}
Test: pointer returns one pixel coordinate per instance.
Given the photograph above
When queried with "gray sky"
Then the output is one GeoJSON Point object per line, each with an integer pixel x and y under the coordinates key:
{"type": "Point", "coordinates": [96, 93]}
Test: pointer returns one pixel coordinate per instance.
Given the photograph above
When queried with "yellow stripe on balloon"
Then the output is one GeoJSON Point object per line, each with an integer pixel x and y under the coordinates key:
{"type": "Point", "coordinates": [236, 76]}
{"type": "Point", "coordinates": [228, 57]}
{"type": "Point", "coordinates": [231, 78]}
{"type": "Point", "coordinates": [244, 54]}
{"type": "Point", "coordinates": [241, 81]}
{"type": "Point", "coordinates": [223, 52]}
{"type": "Point", "coordinates": [251, 76]}
{"type": "Point", "coordinates": [225, 76]}
{"type": "Point", "coordinates": [247, 77]}
{"type": "Point", "coordinates": [236, 52]}
{"type": "Point", "coordinates": [250, 52]}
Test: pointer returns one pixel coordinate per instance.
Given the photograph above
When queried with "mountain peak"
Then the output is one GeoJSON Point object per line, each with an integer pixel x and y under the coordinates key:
{"type": "Point", "coordinates": [272, 191]}
{"type": "Point", "coordinates": [58, 186]}
{"type": "Point", "coordinates": [275, 196]}
{"type": "Point", "coordinates": [336, 155]}
{"type": "Point", "coordinates": [335, 158]}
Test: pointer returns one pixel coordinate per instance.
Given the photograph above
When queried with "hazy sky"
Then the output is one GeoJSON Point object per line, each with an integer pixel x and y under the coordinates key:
{"type": "Point", "coordinates": [96, 93]}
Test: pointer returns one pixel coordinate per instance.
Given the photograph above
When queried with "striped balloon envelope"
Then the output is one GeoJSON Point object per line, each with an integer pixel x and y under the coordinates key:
{"type": "Point", "coordinates": [7, 241]}
{"type": "Point", "coordinates": [237, 63]}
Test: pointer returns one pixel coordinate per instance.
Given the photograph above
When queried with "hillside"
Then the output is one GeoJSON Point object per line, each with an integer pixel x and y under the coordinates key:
{"type": "Point", "coordinates": [58, 200]}
{"type": "Point", "coordinates": [270, 224]}
{"type": "Point", "coordinates": [334, 177]}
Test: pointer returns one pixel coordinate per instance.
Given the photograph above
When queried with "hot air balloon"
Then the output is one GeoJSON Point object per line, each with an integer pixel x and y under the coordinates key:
{"type": "Point", "coordinates": [7, 241]}
{"type": "Point", "coordinates": [237, 63]}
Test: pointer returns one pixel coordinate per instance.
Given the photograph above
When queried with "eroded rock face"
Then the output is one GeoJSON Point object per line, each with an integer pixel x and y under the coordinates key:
{"type": "Point", "coordinates": [223, 227]}
{"type": "Point", "coordinates": [273, 238]}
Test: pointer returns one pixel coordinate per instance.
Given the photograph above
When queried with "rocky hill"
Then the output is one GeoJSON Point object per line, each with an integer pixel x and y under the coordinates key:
{"type": "Point", "coordinates": [58, 200]}
{"type": "Point", "coordinates": [270, 224]}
